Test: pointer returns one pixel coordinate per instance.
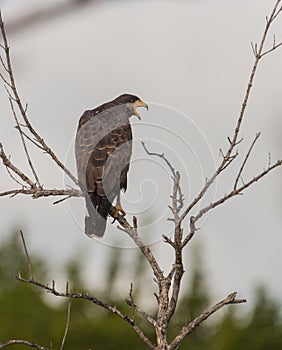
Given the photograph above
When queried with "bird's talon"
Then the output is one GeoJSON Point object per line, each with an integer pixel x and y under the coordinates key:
{"type": "Point", "coordinates": [118, 211]}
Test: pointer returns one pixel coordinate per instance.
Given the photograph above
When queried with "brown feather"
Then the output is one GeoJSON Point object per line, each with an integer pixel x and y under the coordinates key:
{"type": "Point", "coordinates": [103, 149]}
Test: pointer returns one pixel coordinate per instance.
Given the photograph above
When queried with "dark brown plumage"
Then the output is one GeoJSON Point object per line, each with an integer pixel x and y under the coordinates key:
{"type": "Point", "coordinates": [103, 149]}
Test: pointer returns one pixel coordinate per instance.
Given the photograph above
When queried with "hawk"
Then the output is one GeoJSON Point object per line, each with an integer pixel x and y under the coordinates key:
{"type": "Point", "coordinates": [103, 148]}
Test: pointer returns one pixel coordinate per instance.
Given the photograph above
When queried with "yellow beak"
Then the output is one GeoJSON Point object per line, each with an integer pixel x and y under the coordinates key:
{"type": "Point", "coordinates": [139, 103]}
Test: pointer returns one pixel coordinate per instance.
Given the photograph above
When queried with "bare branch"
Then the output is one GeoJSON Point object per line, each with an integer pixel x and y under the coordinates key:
{"type": "Point", "coordinates": [173, 171]}
{"type": "Point", "coordinates": [255, 51]}
{"type": "Point", "coordinates": [143, 313]}
{"type": "Point", "coordinates": [230, 299]}
{"type": "Point", "coordinates": [4, 66]}
{"type": "Point", "coordinates": [227, 159]}
{"type": "Point", "coordinates": [22, 109]}
{"type": "Point", "coordinates": [176, 189]}
{"type": "Point", "coordinates": [92, 299]}
{"type": "Point", "coordinates": [274, 47]}
{"type": "Point", "coordinates": [245, 160]}
{"type": "Point", "coordinates": [15, 179]}
{"type": "Point", "coordinates": [237, 191]}
{"type": "Point", "coordinates": [31, 276]}
{"type": "Point", "coordinates": [23, 143]}
{"type": "Point", "coordinates": [67, 326]}
{"type": "Point", "coordinates": [162, 156]}
{"type": "Point", "coordinates": [168, 240]}
{"type": "Point", "coordinates": [4, 79]}
{"type": "Point", "coordinates": [169, 286]}
{"type": "Point", "coordinates": [31, 140]}
{"type": "Point", "coordinates": [22, 342]}
{"type": "Point", "coordinates": [191, 233]}
{"type": "Point", "coordinates": [177, 272]}
{"type": "Point", "coordinates": [132, 232]}
{"type": "Point", "coordinates": [16, 170]}
{"type": "Point", "coordinates": [40, 192]}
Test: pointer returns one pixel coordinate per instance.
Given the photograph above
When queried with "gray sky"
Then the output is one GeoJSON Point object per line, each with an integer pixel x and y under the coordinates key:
{"type": "Point", "coordinates": [190, 60]}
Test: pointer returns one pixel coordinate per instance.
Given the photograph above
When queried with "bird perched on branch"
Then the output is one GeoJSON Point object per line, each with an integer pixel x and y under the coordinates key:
{"type": "Point", "coordinates": [103, 148]}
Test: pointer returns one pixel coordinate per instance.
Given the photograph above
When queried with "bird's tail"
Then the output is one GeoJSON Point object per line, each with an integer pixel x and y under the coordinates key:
{"type": "Point", "coordinates": [96, 221]}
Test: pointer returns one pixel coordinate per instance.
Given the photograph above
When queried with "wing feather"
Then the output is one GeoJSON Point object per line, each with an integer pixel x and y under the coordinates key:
{"type": "Point", "coordinates": [103, 151]}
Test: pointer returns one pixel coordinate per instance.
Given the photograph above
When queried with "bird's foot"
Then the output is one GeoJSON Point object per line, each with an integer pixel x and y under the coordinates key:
{"type": "Point", "coordinates": [118, 211]}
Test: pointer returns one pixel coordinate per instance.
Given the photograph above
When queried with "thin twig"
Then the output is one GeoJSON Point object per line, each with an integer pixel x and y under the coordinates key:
{"type": "Point", "coordinates": [143, 313]}
{"type": "Point", "coordinates": [191, 233]}
{"type": "Point", "coordinates": [22, 109]}
{"type": "Point", "coordinates": [245, 160]}
{"type": "Point", "coordinates": [92, 299]}
{"type": "Point", "coordinates": [31, 276]}
{"type": "Point", "coordinates": [237, 191]}
{"type": "Point", "coordinates": [230, 299]}
{"type": "Point", "coordinates": [37, 193]}
{"type": "Point", "coordinates": [227, 159]}
{"type": "Point", "coordinates": [16, 170]}
{"type": "Point", "coordinates": [178, 272]}
{"type": "Point", "coordinates": [131, 298]}
{"type": "Point", "coordinates": [162, 156]}
{"type": "Point", "coordinates": [4, 79]}
{"type": "Point", "coordinates": [274, 47]}
{"type": "Point", "coordinates": [15, 179]}
{"type": "Point", "coordinates": [3, 64]}
{"type": "Point", "coordinates": [67, 326]}
{"type": "Point", "coordinates": [22, 342]}
{"type": "Point", "coordinates": [132, 232]}
{"type": "Point", "coordinates": [31, 140]}
{"type": "Point", "coordinates": [173, 171]}
{"type": "Point", "coordinates": [23, 143]}
{"type": "Point", "coordinates": [176, 189]}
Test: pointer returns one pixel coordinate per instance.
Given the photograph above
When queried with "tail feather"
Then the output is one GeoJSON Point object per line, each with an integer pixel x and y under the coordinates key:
{"type": "Point", "coordinates": [98, 210]}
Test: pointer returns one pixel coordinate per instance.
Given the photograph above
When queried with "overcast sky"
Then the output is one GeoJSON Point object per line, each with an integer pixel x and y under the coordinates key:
{"type": "Point", "coordinates": [190, 61]}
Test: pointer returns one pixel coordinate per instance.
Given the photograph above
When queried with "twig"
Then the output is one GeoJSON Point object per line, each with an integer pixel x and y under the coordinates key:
{"type": "Point", "coordinates": [131, 299]}
{"type": "Point", "coordinates": [88, 297]}
{"type": "Point", "coordinates": [31, 276]}
{"type": "Point", "coordinates": [15, 179]}
{"type": "Point", "coordinates": [178, 272]}
{"type": "Point", "coordinates": [245, 160]}
{"type": "Point", "coordinates": [40, 192]}
{"type": "Point", "coordinates": [16, 170]}
{"type": "Point", "coordinates": [23, 143]}
{"type": "Point", "coordinates": [132, 232]}
{"type": "Point", "coordinates": [191, 233]}
{"type": "Point", "coordinates": [31, 140]}
{"type": "Point", "coordinates": [61, 200]}
{"type": "Point", "coordinates": [230, 299]}
{"type": "Point", "coordinates": [144, 314]}
{"type": "Point", "coordinates": [227, 158]}
{"type": "Point", "coordinates": [173, 171]}
{"type": "Point", "coordinates": [4, 79]}
{"type": "Point", "coordinates": [237, 191]}
{"type": "Point", "coordinates": [3, 64]}
{"type": "Point", "coordinates": [95, 301]}
{"type": "Point", "coordinates": [168, 240]}
{"type": "Point", "coordinates": [162, 156]}
{"type": "Point", "coordinates": [176, 189]}
{"type": "Point", "coordinates": [67, 326]}
{"type": "Point", "coordinates": [22, 109]}
{"type": "Point", "coordinates": [274, 47]}
{"type": "Point", "coordinates": [22, 342]}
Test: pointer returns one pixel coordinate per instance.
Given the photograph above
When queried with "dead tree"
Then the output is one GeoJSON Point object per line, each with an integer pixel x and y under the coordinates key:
{"type": "Point", "coordinates": [169, 284]}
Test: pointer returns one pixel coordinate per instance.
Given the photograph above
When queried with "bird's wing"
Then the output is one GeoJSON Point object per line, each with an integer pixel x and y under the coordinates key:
{"type": "Point", "coordinates": [117, 164]}
{"type": "Point", "coordinates": [103, 150]}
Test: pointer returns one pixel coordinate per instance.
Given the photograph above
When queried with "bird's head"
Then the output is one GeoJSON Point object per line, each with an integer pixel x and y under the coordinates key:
{"type": "Point", "coordinates": [133, 102]}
